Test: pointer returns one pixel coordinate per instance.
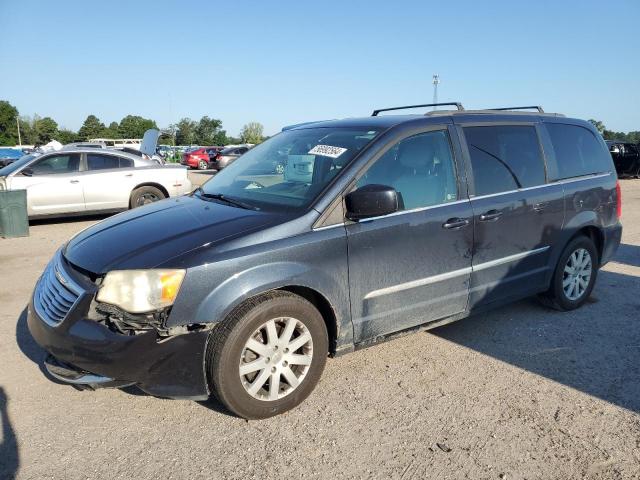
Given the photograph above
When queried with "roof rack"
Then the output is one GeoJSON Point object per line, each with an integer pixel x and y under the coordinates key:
{"type": "Point", "coordinates": [458, 105]}
{"type": "Point", "coordinates": [532, 107]}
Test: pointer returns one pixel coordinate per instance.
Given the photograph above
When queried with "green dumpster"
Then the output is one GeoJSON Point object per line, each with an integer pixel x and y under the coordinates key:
{"type": "Point", "coordinates": [13, 213]}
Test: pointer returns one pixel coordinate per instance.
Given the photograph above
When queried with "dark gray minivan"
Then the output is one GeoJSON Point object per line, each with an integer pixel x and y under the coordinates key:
{"type": "Point", "coordinates": [374, 227]}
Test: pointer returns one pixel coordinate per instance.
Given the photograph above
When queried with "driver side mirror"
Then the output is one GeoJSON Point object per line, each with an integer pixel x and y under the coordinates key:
{"type": "Point", "coordinates": [371, 201]}
{"type": "Point", "coordinates": [27, 172]}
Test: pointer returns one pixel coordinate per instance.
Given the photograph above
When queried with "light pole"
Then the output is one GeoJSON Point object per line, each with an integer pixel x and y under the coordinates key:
{"type": "Point", "coordinates": [19, 138]}
{"type": "Point", "coordinates": [436, 81]}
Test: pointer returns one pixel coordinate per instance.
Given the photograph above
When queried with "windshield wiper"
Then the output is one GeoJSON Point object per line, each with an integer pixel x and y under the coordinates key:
{"type": "Point", "coordinates": [225, 199]}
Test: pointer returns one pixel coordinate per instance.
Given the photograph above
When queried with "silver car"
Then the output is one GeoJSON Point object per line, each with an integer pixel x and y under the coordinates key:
{"type": "Point", "coordinates": [87, 180]}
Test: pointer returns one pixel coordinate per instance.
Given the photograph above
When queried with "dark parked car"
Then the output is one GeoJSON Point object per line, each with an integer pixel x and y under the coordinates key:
{"type": "Point", "coordinates": [226, 157]}
{"type": "Point", "coordinates": [377, 226]}
{"type": "Point", "coordinates": [626, 158]}
{"type": "Point", "coordinates": [9, 155]}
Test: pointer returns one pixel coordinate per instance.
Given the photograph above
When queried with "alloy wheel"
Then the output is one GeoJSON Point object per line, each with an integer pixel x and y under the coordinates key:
{"type": "Point", "coordinates": [577, 274]}
{"type": "Point", "coordinates": [276, 358]}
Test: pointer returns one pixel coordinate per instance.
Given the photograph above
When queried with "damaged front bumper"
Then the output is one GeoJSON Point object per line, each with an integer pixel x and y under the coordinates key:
{"type": "Point", "coordinates": [84, 352]}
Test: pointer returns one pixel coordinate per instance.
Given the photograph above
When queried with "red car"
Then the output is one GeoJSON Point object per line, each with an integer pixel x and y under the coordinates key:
{"type": "Point", "coordinates": [200, 158]}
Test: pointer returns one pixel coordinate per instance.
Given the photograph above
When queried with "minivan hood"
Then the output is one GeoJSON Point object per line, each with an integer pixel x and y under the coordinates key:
{"type": "Point", "coordinates": [152, 235]}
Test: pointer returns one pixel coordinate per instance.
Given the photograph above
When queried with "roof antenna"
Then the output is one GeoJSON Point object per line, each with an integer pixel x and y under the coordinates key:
{"type": "Point", "coordinates": [436, 81]}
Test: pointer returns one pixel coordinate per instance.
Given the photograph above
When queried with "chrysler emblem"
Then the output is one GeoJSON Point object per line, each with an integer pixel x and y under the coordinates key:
{"type": "Point", "coordinates": [60, 278]}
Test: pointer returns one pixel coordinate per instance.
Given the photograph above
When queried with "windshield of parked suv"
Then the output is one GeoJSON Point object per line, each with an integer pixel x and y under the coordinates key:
{"type": "Point", "coordinates": [289, 170]}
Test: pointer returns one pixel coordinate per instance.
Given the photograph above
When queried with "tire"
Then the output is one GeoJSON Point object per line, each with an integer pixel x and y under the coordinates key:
{"type": "Point", "coordinates": [145, 195]}
{"type": "Point", "coordinates": [203, 165]}
{"type": "Point", "coordinates": [560, 295]}
{"type": "Point", "coordinates": [254, 393]}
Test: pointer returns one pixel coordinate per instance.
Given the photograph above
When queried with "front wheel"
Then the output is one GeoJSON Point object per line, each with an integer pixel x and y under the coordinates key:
{"type": "Point", "coordinates": [268, 356]}
{"type": "Point", "coordinates": [203, 165]}
{"type": "Point", "coordinates": [574, 276]}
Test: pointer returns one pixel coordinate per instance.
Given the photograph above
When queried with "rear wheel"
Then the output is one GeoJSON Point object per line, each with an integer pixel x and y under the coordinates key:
{"type": "Point", "coordinates": [574, 276]}
{"type": "Point", "coordinates": [145, 195]}
{"type": "Point", "coordinates": [268, 356]}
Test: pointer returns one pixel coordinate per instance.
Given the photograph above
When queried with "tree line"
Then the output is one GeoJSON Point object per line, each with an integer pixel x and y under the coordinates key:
{"type": "Point", "coordinates": [40, 130]}
{"type": "Point", "coordinates": [631, 137]}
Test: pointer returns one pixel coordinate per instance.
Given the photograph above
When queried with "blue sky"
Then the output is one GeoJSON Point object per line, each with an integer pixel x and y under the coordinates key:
{"type": "Point", "coordinates": [292, 61]}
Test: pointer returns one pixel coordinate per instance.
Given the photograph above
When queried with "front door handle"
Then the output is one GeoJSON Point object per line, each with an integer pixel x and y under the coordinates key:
{"type": "Point", "coordinates": [455, 223]}
{"type": "Point", "coordinates": [129, 175]}
{"type": "Point", "coordinates": [75, 181]}
{"type": "Point", "coordinates": [490, 216]}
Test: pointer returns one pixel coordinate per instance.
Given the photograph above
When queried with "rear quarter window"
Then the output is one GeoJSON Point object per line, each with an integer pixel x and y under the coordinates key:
{"type": "Point", "coordinates": [577, 151]}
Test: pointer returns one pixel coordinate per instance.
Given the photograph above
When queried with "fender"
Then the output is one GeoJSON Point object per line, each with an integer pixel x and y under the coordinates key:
{"type": "Point", "coordinates": [585, 218]}
{"type": "Point", "coordinates": [240, 286]}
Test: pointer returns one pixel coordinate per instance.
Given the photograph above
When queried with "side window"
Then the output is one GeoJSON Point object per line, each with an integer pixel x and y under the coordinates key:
{"type": "Point", "coordinates": [504, 158]}
{"type": "Point", "coordinates": [54, 164]}
{"type": "Point", "coordinates": [420, 168]}
{"type": "Point", "coordinates": [126, 162]}
{"type": "Point", "coordinates": [577, 151]}
{"type": "Point", "coordinates": [101, 162]}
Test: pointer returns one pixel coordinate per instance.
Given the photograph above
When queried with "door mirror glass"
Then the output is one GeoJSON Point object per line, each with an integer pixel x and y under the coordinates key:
{"type": "Point", "coordinates": [371, 201]}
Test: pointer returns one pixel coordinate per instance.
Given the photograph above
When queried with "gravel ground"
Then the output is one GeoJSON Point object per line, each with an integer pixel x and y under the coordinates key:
{"type": "Point", "coordinates": [520, 393]}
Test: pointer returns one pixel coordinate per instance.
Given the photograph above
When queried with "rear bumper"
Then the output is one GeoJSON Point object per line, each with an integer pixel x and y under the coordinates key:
{"type": "Point", "coordinates": [612, 237]}
{"type": "Point", "coordinates": [219, 164]}
{"type": "Point", "coordinates": [88, 353]}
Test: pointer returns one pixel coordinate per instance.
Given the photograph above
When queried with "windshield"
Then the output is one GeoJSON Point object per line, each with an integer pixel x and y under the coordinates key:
{"type": "Point", "coordinates": [12, 167]}
{"type": "Point", "coordinates": [289, 170]}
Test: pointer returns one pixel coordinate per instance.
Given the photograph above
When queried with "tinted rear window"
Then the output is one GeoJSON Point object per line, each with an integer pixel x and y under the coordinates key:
{"type": "Point", "coordinates": [577, 151]}
{"type": "Point", "coordinates": [504, 158]}
{"type": "Point", "coordinates": [101, 162]}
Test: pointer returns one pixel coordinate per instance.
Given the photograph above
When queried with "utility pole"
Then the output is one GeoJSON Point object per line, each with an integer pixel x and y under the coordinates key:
{"type": "Point", "coordinates": [436, 81]}
{"type": "Point", "coordinates": [19, 138]}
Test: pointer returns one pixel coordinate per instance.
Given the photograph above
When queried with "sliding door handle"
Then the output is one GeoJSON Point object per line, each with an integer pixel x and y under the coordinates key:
{"type": "Point", "coordinates": [455, 223]}
{"type": "Point", "coordinates": [490, 216]}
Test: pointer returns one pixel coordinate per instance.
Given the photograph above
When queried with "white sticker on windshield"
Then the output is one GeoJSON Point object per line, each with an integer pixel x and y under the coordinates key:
{"type": "Point", "coordinates": [327, 151]}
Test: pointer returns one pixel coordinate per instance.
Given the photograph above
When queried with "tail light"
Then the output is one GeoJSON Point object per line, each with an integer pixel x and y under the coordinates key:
{"type": "Point", "coordinates": [618, 200]}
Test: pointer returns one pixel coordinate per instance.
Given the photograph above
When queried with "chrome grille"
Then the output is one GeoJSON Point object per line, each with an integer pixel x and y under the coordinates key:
{"type": "Point", "coordinates": [55, 293]}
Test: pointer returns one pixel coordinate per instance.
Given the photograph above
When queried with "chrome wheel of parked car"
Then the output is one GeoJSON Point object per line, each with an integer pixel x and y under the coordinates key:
{"type": "Point", "coordinates": [202, 165]}
{"type": "Point", "coordinates": [577, 274]}
{"type": "Point", "coordinates": [276, 358]}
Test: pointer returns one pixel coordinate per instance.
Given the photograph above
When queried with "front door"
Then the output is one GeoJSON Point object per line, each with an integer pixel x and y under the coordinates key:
{"type": "Point", "coordinates": [517, 214]}
{"type": "Point", "coordinates": [413, 266]}
{"type": "Point", "coordinates": [53, 184]}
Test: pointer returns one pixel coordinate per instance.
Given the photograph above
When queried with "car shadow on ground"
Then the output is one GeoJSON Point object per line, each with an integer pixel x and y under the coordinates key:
{"type": "Point", "coordinates": [30, 348]}
{"type": "Point", "coordinates": [68, 219]}
{"type": "Point", "coordinates": [9, 454]}
{"type": "Point", "coordinates": [594, 349]}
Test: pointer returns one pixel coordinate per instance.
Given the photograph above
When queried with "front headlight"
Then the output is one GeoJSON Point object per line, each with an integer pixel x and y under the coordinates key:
{"type": "Point", "coordinates": [141, 291]}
